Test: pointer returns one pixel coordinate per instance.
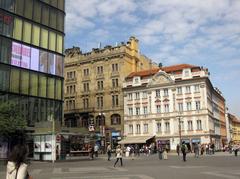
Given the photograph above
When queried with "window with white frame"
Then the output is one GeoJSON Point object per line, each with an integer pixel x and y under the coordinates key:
{"type": "Point", "coordinates": [144, 94]}
{"type": "Point", "coordinates": [157, 93]}
{"type": "Point", "coordinates": [196, 88]}
{"type": "Point", "coordinates": [198, 105]}
{"type": "Point", "coordinates": [130, 131]}
{"type": "Point", "coordinates": [138, 129]}
{"type": "Point", "coordinates": [189, 106]}
{"type": "Point", "coordinates": [130, 111]}
{"type": "Point", "coordinates": [145, 110]}
{"type": "Point", "coordinates": [179, 90]}
{"type": "Point", "coordinates": [166, 108]}
{"type": "Point", "coordinates": [159, 127]}
{"type": "Point", "coordinates": [129, 96]}
{"type": "Point", "coordinates": [190, 126]}
{"type": "Point", "coordinates": [188, 89]}
{"type": "Point", "coordinates": [199, 125]}
{"type": "Point", "coordinates": [137, 96]}
{"type": "Point", "coordinates": [158, 108]}
{"type": "Point", "coordinates": [180, 106]}
{"type": "Point", "coordinates": [137, 111]}
{"type": "Point", "coordinates": [167, 127]}
{"type": "Point", "coordinates": [165, 92]}
{"type": "Point", "coordinates": [145, 128]}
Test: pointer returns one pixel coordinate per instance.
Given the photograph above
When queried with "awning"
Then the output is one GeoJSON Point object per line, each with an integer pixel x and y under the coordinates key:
{"type": "Point", "coordinates": [135, 140]}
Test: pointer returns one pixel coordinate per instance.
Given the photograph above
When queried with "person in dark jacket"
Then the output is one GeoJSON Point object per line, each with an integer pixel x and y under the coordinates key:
{"type": "Point", "coordinates": [184, 151]}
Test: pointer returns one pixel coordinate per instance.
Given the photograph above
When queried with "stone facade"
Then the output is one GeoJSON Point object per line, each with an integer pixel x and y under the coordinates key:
{"type": "Point", "coordinates": [93, 87]}
{"type": "Point", "coordinates": [172, 102]}
{"type": "Point", "coordinates": [233, 127]}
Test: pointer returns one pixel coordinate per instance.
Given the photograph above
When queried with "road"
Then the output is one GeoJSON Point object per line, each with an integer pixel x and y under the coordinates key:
{"type": "Point", "coordinates": [219, 166]}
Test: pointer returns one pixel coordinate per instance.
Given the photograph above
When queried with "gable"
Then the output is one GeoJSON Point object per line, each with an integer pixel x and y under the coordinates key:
{"type": "Point", "coordinates": [161, 77]}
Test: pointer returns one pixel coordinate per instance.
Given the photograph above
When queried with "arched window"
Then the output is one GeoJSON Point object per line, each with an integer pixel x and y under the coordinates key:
{"type": "Point", "coordinates": [100, 120]}
{"type": "Point", "coordinates": [115, 119]}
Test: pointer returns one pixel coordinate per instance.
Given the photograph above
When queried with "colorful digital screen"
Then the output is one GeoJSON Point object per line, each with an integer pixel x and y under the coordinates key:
{"type": "Point", "coordinates": [16, 54]}
{"type": "Point", "coordinates": [25, 54]}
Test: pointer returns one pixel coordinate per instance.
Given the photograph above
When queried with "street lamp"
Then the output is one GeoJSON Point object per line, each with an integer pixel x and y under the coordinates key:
{"type": "Point", "coordinates": [179, 129]}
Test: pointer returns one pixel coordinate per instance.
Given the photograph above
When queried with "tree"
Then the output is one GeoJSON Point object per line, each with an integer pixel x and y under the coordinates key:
{"type": "Point", "coordinates": [12, 124]}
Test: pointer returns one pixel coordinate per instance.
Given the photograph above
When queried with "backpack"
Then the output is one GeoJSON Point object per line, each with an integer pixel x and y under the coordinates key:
{"type": "Point", "coordinates": [183, 148]}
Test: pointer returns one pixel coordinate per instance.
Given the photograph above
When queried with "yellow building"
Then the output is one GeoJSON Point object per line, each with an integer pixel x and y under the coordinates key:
{"type": "Point", "coordinates": [93, 87]}
{"type": "Point", "coordinates": [234, 129]}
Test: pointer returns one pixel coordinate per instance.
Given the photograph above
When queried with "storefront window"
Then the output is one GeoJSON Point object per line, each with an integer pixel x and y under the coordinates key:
{"type": "Point", "coordinates": [25, 56]}
{"type": "Point", "coordinates": [14, 79]}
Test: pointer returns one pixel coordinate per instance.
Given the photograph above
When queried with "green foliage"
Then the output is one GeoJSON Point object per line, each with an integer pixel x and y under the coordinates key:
{"type": "Point", "coordinates": [11, 120]}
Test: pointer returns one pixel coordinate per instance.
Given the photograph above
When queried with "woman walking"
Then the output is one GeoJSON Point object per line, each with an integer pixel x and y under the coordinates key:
{"type": "Point", "coordinates": [119, 155]}
{"type": "Point", "coordinates": [16, 166]}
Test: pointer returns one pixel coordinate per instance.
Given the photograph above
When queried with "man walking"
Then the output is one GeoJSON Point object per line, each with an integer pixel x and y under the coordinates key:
{"type": "Point", "coordinates": [178, 149]}
{"type": "Point", "coordinates": [109, 151]}
{"type": "Point", "coordinates": [196, 150]}
{"type": "Point", "coordinates": [184, 151]}
{"type": "Point", "coordinates": [119, 155]}
{"type": "Point", "coordinates": [96, 150]}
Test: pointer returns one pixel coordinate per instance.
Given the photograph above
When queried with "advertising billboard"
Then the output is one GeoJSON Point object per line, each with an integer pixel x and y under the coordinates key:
{"type": "Point", "coordinates": [25, 54]}
{"type": "Point", "coordinates": [34, 59]}
{"type": "Point", "coordinates": [16, 54]}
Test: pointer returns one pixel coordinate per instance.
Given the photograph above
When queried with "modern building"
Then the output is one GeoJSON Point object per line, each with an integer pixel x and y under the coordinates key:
{"type": "Point", "coordinates": [31, 59]}
{"type": "Point", "coordinates": [233, 129]}
{"type": "Point", "coordinates": [93, 88]}
{"type": "Point", "coordinates": [173, 104]}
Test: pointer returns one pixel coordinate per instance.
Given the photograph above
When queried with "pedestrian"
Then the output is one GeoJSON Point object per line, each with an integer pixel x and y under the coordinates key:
{"type": "Point", "coordinates": [137, 150]}
{"type": "Point", "coordinates": [178, 149]}
{"type": "Point", "coordinates": [202, 149]}
{"type": "Point", "coordinates": [91, 151]}
{"type": "Point", "coordinates": [207, 149]}
{"type": "Point", "coordinates": [118, 155]}
{"type": "Point", "coordinates": [235, 148]}
{"type": "Point", "coordinates": [184, 151]}
{"type": "Point", "coordinates": [96, 148]}
{"type": "Point", "coordinates": [196, 150]}
{"type": "Point", "coordinates": [160, 152]}
{"type": "Point", "coordinates": [132, 152]}
{"type": "Point", "coordinates": [16, 166]}
{"type": "Point", "coordinates": [128, 149]}
{"type": "Point", "coordinates": [109, 151]}
{"type": "Point", "coordinates": [165, 157]}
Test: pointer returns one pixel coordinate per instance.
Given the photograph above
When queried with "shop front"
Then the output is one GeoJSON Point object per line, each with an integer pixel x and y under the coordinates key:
{"type": "Point", "coordinates": [116, 137]}
{"type": "Point", "coordinates": [164, 144]}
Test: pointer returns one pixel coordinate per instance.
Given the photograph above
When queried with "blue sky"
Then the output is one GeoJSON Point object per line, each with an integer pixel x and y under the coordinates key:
{"type": "Point", "coordinates": [199, 32]}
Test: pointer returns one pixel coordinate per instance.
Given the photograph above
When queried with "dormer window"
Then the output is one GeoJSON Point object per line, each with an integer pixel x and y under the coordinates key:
{"type": "Point", "coordinates": [186, 72]}
{"type": "Point", "coordinates": [136, 80]}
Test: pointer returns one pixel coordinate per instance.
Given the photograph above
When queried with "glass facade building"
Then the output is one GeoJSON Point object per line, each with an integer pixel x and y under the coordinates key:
{"type": "Point", "coordinates": [31, 57]}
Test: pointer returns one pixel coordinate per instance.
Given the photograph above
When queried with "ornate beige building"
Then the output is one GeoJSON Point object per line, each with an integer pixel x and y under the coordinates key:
{"type": "Point", "coordinates": [171, 104]}
{"type": "Point", "coordinates": [93, 87]}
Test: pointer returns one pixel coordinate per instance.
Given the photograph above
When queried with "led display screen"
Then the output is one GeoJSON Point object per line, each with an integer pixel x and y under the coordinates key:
{"type": "Point", "coordinates": [26, 54]}
{"type": "Point", "coordinates": [16, 54]}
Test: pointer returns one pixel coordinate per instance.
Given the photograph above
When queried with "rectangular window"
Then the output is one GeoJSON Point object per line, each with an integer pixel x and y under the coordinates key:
{"type": "Point", "coordinates": [35, 35]}
{"type": "Point", "coordinates": [130, 129]}
{"type": "Point", "coordinates": [130, 111]}
{"type": "Point", "coordinates": [179, 90]}
{"type": "Point", "coordinates": [180, 106]}
{"type": "Point", "coordinates": [5, 50]}
{"type": "Point", "coordinates": [52, 41]}
{"type": "Point", "coordinates": [17, 31]}
{"type": "Point", "coordinates": [198, 105]}
{"type": "Point", "coordinates": [188, 89]}
{"type": "Point", "coordinates": [61, 4]}
{"type": "Point", "coordinates": [28, 9]}
{"type": "Point", "coordinates": [24, 82]}
{"type": "Point", "coordinates": [129, 96]}
{"type": "Point", "coordinates": [137, 96]}
{"type": "Point", "coordinates": [45, 15]}
{"type": "Point", "coordinates": [43, 64]}
{"type": "Point", "coordinates": [59, 44]}
{"type": "Point", "coordinates": [190, 126]}
{"type": "Point", "coordinates": [196, 88]}
{"type": "Point", "coordinates": [114, 100]}
{"type": "Point", "coordinates": [145, 110]}
{"type": "Point", "coordinates": [4, 78]}
{"type": "Point", "coordinates": [167, 127]}
{"type": "Point", "coordinates": [6, 24]}
{"type": "Point", "coordinates": [144, 94]}
{"type": "Point", "coordinates": [158, 108]}
{"type": "Point", "coordinates": [58, 89]}
{"type": "Point", "coordinates": [158, 93]}
{"type": "Point", "coordinates": [60, 21]}
{"type": "Point", "coordinates": [159, 127]}
{"type": "Point", "coordinates": [189, 106]}
{"type": "Point", "coordinates": [86, 72]}
{"type": "Point", "coordinates": [51, 63]}
{"type": "Point", "coordinates": [53, 18]}
{"type": "Point", "coordinates": [33, 84]}
{"type": "Point", "coordinates": [85, 87]}
{"type": "Point", "coordinates": [199, 125]}
{"type": "Point", "coordinates": [166, 108]}
{"type": "Point", "coordinates": [19, 7]}
{"type": "Point", "coordinates": [51, 86]}
{"type": "Point", "coordinates": [137, 111]}
{"type": "Point", "coordinates": [145, 127]}
{"type": "Point", "coordinates": [37, 11]}
{"type": "Point", "coordinates": [165, 92]}
{"type": "Point", "coordinates": [59, 65]}
{"type": "Point", "coordinates": [42, 86]}
{"type": "Point", "coordinates": [138, 129]}
{"type": "Point", "coordinates": [44, 38]}
{"type": "Point", "coordinates": [14, 78]}
{"type": "Point", "coordinates": [27, 29]}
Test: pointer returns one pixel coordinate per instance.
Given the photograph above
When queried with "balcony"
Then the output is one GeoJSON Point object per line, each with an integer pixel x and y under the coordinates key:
{"type": "Point", "coordinates": [70, 94]}
{"type": "Point", "coordinates": [100, 76]}
{"type": "Point", "coordinates": [78, 110]}
{"type": "Point", "coordinates": [115, 74]}
{"type": "Point", "coordinates": [70, 80]}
